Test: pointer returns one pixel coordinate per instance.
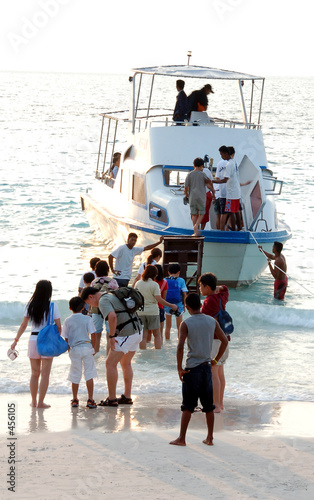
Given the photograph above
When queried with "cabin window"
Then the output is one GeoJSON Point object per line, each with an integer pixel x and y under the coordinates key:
{"type": "Point", "coordinates": [138, 189]}
{"type": "Point", "coordinates": [175, 176]}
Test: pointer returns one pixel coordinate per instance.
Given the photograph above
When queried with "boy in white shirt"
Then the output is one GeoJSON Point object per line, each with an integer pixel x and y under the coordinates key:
{"type": "Point", "coordinates": [77, 330]}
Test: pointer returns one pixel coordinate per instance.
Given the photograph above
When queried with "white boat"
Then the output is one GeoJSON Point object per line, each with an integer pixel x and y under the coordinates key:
{"type": "Point", "coordinates": [147, 194]}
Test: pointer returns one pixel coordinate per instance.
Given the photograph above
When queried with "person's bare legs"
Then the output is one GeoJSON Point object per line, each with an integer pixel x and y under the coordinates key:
{"type": "Point", "coordinates": [222, 381]}
{"type": "Point", "coordinates": [44, 382]}
{"type": "Point", "coordinates": [210, 428]}
{"type": "Point", "coordinates": [97, 342]}
{"type": "Point", "coordinates": [149, 335]}
{"type": "Point", "coordinates": [185, 420]}
{"type": "Point", "coordinates": [144, 340]}
{"type": "Point", "coordinates": [75, 388]}
{"type": "Point", "coordinates": [157, 338]}
{"type": "Point", "coordinates": [196, 220]}
{"type": "Point", "coordinates": [90, 388]}
{"type": "Point", "coordinates": [168, 326]}
{"type": "Point", "coordinates": [223, 220]}
{"type": "Point", "coordinates": [113, 358]}
{"type": "Point", "coordinates": [178, 322]}
{"type": "Point", "coordinates": [216, 388]}
{"type": "Point", "coordinates": [127, 370]}
{"type": "Point", "coordinates": [33, 383]}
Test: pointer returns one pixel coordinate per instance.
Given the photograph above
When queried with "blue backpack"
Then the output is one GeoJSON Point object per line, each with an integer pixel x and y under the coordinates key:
{"type": "Point", "coordinates": [225, 321]}
{"type": "Point", "coordinates": [49, 340]}
{"type": "Point", "coordinates": [174, 292]}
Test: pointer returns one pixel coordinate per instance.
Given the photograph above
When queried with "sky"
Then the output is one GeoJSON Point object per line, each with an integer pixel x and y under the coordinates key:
{"type": "Point", "coordinates": [261, 37]}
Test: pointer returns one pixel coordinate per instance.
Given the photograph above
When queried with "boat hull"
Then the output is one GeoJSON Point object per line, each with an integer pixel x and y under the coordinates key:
{"type": "Point", "coordinates": [233, 256]}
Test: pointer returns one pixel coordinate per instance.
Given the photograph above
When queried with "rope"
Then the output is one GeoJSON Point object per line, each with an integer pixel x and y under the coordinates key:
{"type": "Point", "coordinates": [261, 250]}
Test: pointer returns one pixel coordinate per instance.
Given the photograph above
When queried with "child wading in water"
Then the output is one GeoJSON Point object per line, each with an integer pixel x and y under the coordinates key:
{"type": "Point", "coordinates": [199, 330]}
{"type": "Point", "coordinates": [76, 330]}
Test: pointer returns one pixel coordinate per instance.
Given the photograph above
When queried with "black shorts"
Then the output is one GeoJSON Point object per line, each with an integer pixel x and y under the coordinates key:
{"type": "Point", "coordinates": [198, 385]}
{"type": "Point", "coordinates": [217, 206]}
{"type": "Point", "coordinates": [161, 315]}
{"type": "Point", "coordinates": [222, 202]}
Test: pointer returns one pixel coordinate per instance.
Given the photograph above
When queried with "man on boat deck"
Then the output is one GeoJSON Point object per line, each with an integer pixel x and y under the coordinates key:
{"type": "Point", "coordinates": [279, 270]}
{"type": "Point", "coordinates": [198, 100]}
{"type": "Point", "coordinates": [181, 107]}
{"type": "Point", "coordinates": [124, 255]}
{"type": "Point", "coordinates": [194, 189]}
{"type": "Point", "coordinates": [233, 189]}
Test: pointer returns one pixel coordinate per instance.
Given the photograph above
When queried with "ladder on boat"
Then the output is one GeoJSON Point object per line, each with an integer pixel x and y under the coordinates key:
{"type": "Point", "coordinates": [188, 253]}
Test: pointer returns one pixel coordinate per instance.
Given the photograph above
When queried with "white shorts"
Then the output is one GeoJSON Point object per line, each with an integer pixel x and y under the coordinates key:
{"type": "Point", "coordinates": [128, 344]}
{"type": "Point", "coordinates": [82, 355]}
{"type": "Point", "coordinates": [32, 352]}
{"type": "Point", "coordinates": [215, 349]}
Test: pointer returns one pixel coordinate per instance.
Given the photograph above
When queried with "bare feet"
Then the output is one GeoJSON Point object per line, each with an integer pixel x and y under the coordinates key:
{"type": "Point", "coordinates": [208, 441]}
{"type": "Point", "coordinates": [217, 409]}
{"type": "Point", "coordinates": [43, 405]}
{"type": "Point", "coordinates": [33, 404]}
{"type": "Point", "coordinates": [178, 442]}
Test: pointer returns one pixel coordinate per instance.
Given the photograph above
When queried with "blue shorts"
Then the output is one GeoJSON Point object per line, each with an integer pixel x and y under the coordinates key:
{"type": "Point", "coordinates": [180, 307]}
{"type": "Point", "coordinates": [198, 385]}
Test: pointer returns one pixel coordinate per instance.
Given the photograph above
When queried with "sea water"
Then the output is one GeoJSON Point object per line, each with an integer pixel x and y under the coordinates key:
{"type": "Point", "coordinates": [50, 134]}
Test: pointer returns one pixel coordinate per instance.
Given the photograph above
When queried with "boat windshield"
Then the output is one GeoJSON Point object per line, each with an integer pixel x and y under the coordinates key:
{"type": "Point", "coordinates": [175, 176]}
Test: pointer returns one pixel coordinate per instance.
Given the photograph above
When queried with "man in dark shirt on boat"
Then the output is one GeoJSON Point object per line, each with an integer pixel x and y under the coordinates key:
{"type": "Point", "coordinates": [181, 107]}
{"type": "Point", "coordinates": [279, 270]}
{"type": "Point", "coordinates": [198, 100]}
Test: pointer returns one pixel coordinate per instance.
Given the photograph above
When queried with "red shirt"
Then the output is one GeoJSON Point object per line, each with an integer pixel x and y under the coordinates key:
{"type": "Point", "coordinates": [163, 285]}
{"type": "Point", "coordinates": [211, 305]}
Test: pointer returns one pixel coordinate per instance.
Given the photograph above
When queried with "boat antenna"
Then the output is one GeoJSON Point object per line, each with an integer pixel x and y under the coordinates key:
{"type": "Point", "coordinates": [189, 56]}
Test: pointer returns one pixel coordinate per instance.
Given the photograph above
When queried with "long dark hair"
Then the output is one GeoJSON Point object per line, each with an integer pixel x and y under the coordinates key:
{"type": "Point", "coordinates": [38, 306]}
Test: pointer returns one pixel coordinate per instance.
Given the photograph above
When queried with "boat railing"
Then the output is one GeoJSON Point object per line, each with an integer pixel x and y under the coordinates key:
{"type": "Point", "coordinates": [142, 123]}
{"type": "Point", "coordinates": [276, 187]}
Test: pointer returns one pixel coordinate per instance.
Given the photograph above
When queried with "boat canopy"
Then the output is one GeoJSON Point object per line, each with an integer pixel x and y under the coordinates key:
{"type": "Point", "coordinates": [188, 71]}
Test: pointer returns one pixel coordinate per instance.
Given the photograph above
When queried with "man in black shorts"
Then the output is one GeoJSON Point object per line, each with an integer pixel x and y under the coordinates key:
{"type": "Point", "coordinates": [196, 377]}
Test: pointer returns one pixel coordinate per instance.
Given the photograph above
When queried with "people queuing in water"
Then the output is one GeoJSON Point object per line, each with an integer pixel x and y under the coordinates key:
{"type": "Point", "coordinates": [125, 330]}
{"type": "Point", "coordinates": [279, 270]}
{"type": "Point", "coordinates": [149, 316]}
{"type": "Point", "coordinates": [176, 294]}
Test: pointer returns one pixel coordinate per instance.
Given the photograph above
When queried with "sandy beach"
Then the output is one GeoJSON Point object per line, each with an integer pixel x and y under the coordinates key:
{"type": "Point", "coordinates": [261, 450]}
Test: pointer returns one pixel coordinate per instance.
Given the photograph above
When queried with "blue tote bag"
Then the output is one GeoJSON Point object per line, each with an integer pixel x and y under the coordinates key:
{"type": "Point", "coordinates": [49, 340]}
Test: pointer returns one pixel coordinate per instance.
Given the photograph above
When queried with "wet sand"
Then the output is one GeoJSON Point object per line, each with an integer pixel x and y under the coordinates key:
{"type": "Point", "coordinates": [261, 450]}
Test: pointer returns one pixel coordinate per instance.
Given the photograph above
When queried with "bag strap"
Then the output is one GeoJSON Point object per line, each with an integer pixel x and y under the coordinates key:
{"type": "Point", "coordinates": [50, 314]}
{"type": "Point", "coordinates": [220, 309]}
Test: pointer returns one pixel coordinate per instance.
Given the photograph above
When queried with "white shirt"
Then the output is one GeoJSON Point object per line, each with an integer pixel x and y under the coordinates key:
{"type": "Point", "coordinates": [124, 259]}
{"type": "Point", "coordinates": [233, 184]}
{"type": "Point", "coordinates": [220, 189]}
{"type": "Point", "coordinates": [76, 329]}
{"type": "Point", "coordinates": [208, 174]}
{"type": "Point", "coordinates": [143, 265]}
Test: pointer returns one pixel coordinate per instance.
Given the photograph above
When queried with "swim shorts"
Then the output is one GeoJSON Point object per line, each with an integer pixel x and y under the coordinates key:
{"type": "Point", "coordinates": [232, 206]}
{"type": "Point", "coordinates": [280, 288]}
{"type": "Point", "coordinates": [198, 385]}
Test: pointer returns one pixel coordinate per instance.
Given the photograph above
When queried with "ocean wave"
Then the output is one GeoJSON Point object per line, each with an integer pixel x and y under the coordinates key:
{"type": "Point", "coordinates": [272, 314]}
